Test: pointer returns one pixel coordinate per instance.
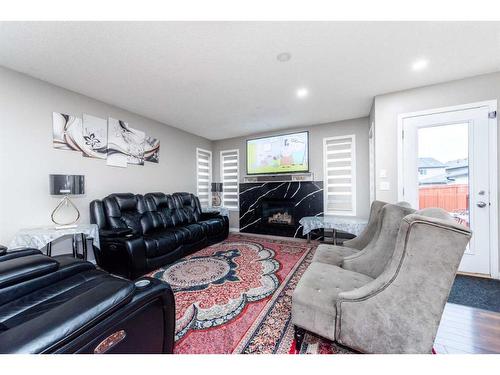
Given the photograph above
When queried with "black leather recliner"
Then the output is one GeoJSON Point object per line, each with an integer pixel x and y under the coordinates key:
{"type": "Point", "coordinates": [139, 234]}
{"type": "Point", "coordinates": [66, 305]}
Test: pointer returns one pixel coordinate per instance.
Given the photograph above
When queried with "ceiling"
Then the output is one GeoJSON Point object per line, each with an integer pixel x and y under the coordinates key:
{"type": "Point", "coordinates": [222, 79]}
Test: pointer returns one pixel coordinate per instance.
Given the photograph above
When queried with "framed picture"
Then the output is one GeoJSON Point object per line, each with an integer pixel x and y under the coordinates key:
{"type": "Point", "coordinates": [112, 139]}
{"type": "Point", "coordinates": [117, 143]}
{"type": "Point", "coordinates": [95, 137]}
{"type": "Point", "coordinates": [135, 140]}
{"type": "Point", "coordinates": [152, 150]}
{"type": "Point", "coordinates": [66, 131]}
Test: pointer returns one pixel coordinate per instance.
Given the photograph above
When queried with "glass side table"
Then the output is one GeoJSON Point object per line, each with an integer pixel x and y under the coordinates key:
{"type": "Point", "coordinates": [223, 211]}
{"type": "Point", "coordinates": [39, 237]}
{"type": "Point", "coordinates": [351, 225]}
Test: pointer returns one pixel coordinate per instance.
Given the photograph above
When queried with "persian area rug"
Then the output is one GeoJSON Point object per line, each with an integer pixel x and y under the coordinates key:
{"type": "Point", "coordinates": [236, 296]}
{"type": "Point", "coordinates": [313, 344]}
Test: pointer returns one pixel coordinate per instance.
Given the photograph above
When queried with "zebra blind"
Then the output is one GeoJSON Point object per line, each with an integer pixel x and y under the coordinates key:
{"type": "Point", "coordinates": [339, 161]}
{"type": "Point", "coordinates": [229, 171]}
{"type": "Point", "coordinates": [203, 176]}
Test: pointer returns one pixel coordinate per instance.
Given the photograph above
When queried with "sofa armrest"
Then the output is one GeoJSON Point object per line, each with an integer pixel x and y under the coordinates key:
{"type": "Point", "coordinates": [25, 268]}
{"type": "Point", "coordinates": [364, 292]}
{"type": "Point", "coordinates": [7, 255]}
{"type": "Point", "coordinates": [64, 322]}
{"type": "Point", "coordinates": [210, 215]}
{"type": "Point", "coordinates": [125, 256]}
{"type": "Point", "coordinates": [116, 233]}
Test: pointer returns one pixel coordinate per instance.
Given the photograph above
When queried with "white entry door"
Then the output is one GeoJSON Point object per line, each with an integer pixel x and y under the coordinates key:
{"type": "Point", "coordinates": [446, 164]}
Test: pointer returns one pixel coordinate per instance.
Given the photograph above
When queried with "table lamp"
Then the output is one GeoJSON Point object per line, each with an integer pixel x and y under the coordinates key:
{"type": "Point", "coordinates": [216, 189]}
{"type": "Point", "coordinates": [66, 185]}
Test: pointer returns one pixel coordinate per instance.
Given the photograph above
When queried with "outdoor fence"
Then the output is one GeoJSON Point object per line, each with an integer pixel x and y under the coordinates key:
{"type": "Point", "coordinates": [452, 198]}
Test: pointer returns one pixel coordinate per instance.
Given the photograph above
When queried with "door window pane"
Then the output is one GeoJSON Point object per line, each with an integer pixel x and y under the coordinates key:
{"type": "Point", "coordinates": [443, 169]}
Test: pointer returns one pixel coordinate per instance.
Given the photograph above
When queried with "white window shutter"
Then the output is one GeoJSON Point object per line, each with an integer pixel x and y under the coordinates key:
{"type": "Point", "coordinates": [230, 172]}
{"type": "Point", "coordinates": [204, 176]}
{"type": "Point", "coordinates": [339, 175]}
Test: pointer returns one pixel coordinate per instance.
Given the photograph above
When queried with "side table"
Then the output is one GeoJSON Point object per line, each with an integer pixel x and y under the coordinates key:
{"type": "Point", "coordinates": [351, 225]}
{"type": "Point", "coordinates": [223, 211]}
{"type": "Point", "coordinates": [39, 237]}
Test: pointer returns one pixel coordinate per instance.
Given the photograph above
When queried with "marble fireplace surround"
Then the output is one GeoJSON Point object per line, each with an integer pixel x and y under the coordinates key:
{"type": "Point", "coordinates": [299, 198]}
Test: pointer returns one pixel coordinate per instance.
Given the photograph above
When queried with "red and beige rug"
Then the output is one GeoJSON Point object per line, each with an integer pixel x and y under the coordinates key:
{"type": "Point", "coordinates": [235, 297]}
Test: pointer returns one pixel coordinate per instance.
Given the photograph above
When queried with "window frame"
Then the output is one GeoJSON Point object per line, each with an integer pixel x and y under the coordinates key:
{"type": "Point", "coordinates": [221, 173]}
{"type": "Point", "coordinates": [210, 161]}
{"type": "Point", "coordinates": [353, 210]}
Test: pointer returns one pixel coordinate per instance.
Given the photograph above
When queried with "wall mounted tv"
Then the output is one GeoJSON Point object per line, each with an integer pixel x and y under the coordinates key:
{"type": "Point", "coordinates": [287, 153]}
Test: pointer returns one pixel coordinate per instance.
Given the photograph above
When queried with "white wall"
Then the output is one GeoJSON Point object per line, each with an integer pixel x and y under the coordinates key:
{"type": "Point", "coordinates": [27, 156]}
{"type": "Point", "coordinates": [389, 106]}
{"type": "Point", "coordinates": [359, 127]}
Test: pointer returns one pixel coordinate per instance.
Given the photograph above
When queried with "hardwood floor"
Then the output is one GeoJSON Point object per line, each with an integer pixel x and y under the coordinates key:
{"type": "Point", "coordinates": [466, 329]}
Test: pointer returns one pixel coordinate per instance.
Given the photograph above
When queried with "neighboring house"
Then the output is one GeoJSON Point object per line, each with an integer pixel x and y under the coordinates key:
{"type": "Point", "coordinates": [431, 171]}
{"type": "Point", "coordinates": [457, 171]}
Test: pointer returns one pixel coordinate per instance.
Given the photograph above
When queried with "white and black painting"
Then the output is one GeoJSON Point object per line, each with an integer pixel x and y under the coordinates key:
{"type": "Point", "coordinates": [95, 137]}
{"type": "Point", "coordinates": [117, 143]}
{"type": "Point", "coordinates": [112, 139]}
{"type": "Point", "coordinates": [66, 131]}
{"type": "Point", "coordinates": [152, 150]}
{"type": "Point", "coordinates": [135, 141]}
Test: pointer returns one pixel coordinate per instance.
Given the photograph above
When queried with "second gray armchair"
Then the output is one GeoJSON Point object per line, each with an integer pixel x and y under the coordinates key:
{"type": "Point", "coordinates": [385, 308]}
{"type": "Point", "coordinates": [333, 254]}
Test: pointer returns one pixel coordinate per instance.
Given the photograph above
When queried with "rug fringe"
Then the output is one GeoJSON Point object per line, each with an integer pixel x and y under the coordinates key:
{"type": "Point", "coordinates": [293, 348]}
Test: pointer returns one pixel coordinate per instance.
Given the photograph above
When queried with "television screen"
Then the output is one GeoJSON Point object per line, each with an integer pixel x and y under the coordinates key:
{"type": "Point", "coordinates": [286, 153]}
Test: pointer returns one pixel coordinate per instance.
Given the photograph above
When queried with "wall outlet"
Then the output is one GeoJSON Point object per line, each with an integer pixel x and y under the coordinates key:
{"type": "Point", "coordinates": [384, 186]}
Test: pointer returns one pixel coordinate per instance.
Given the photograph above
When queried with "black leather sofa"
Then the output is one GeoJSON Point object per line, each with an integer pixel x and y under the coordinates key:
{"type": "Point", "coordinates": [66, 305]}
{"type": "Point", "coordinates": [139, 234]}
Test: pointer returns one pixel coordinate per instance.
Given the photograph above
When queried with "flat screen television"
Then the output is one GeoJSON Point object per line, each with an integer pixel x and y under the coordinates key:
{"type": "Point", "coordinates": [287, 153]}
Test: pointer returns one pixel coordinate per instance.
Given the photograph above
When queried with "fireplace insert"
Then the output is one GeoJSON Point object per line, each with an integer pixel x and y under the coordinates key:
{"type": "Point", "coordinates": [278, 212]}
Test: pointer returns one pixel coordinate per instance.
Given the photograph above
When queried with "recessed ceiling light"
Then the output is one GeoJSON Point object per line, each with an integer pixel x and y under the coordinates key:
{"type": "Point", "coordinates": [302, 93]}
{"type": "Point", "coordinates": [420, 64]}
{"type": "Point", "coordinates": [284, 57]}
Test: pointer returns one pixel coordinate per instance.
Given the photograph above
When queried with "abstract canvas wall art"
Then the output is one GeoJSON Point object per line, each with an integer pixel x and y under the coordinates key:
{"type": "Point", "coordinates": [152, 150]}
{"type": "Point", "coordinates": [66, 131]}
{"type": "Point", "coordinates": [112, 139]}
{"type": "Point", "coordinates": [95, 137]}
{"type": "Point", "coordinates": [135, 140]}
{"type": "Point", "coordinates": [117, 143]}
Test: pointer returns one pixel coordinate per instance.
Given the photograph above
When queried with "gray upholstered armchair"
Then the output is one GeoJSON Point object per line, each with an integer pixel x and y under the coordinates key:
{"type": "Point", "coordinates": [396, 311]}
{"type": "Point", "coordinates": [365, 237]}
{"type": "Point", "coordinates": [377, 251]}
{"type": "Point", "coordinates": [333, 254]}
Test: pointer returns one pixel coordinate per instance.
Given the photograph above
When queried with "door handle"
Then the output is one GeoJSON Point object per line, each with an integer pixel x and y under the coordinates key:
{"type": "Point", "coordinates": [481, 204]}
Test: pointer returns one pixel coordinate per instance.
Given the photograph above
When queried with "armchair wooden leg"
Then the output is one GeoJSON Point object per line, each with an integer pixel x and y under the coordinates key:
{"type": "Point", "coordinates": [299, 337]}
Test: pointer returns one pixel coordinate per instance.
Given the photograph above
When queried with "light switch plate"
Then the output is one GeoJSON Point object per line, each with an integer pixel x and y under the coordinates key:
{"type": "Point", "coordinates": [384, 185]}
{"type": "Point", "coordinates": [383, 173]}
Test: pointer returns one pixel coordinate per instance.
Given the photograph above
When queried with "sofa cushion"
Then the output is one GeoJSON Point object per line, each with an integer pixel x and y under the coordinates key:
{"type": "Point", "coordinates": [125, 210]}
{"type": "Point", "coordinates": [213, 227]}
{"type": "Point", "coordinates": [151, 222]}
{"type": "Point", "coordinates": [165, 206]}
{"type": "Point", "coordinates": [314, 298]}
{"type": "Point", "coordinates": [193, 233]}
{"type": "Point", "coordinates": [161, 243]}
{"type": "Point", "coordinates": [188, 207]}
{"type": "Point", "coordinates": [331, 254]}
